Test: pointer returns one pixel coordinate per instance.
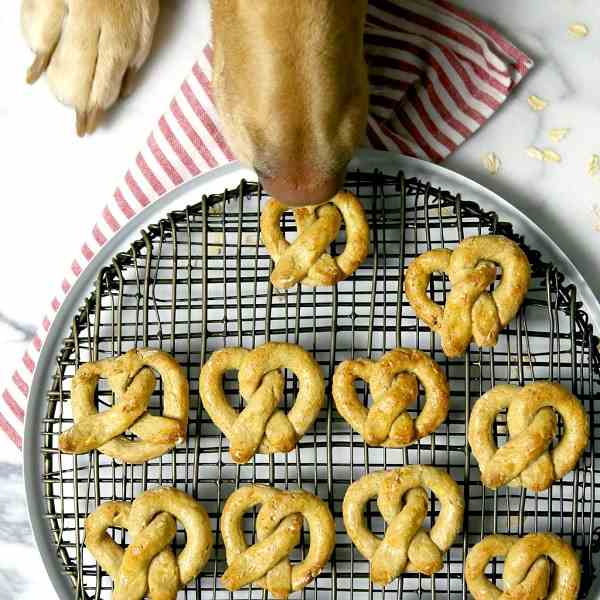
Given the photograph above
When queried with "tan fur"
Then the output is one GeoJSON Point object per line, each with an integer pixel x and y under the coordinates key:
{"type": "Point", "coordinates": [88, 48]}
{"type": "Point", "coordinates": [290, 84]}
{"type": "Point", "coordinates": [290, 78]}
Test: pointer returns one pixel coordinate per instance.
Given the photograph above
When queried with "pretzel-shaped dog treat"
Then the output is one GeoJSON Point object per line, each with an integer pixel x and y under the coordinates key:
{"type": "Point", "coordinates": [403, 503]}
{"type": "Point", "coordinates": [525, 460]}
{"type": "Point", "coordinates": [131, 378]}
{"type": "Point", "coordinates": [470, 312]}
{"type": "Point", "coordinates": [393, 384]}
{"type": "Point", "coordinates": [278, 526]}
{"type": "Point", "coordinates": [526, 568]}
{"type": "Point", "coordinates": [306, 259]}
{"type": "Point", "coordinates": [148, 564]}
{"type": "Point", "coordinates": [261, 426]}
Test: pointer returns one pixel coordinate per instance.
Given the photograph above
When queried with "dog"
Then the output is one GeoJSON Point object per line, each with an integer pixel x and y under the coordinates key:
{"type": "Point", "coordinates": [90, 50]}
{"type": "Point", "coordinates": [290, 78]}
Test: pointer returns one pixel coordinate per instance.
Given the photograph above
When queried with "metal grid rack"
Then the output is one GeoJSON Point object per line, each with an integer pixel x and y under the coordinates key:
{"type": "Point", "coordinates": [199, 280]}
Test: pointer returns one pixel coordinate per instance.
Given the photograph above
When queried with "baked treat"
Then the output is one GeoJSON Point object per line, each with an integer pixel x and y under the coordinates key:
{"type": "Point", "coordinates": [148, 565]}
{"type": "Point", "coordinates": [278, 531]}
{"type": "Point", "coordinates": [403, 503]}
{"type": "Point", "coordinates": [306, 259]}
{"type": "Point", "coordinates": [470, 312]}
{"type": "Point", "coordinates": [132, 380]}
{"type": "Point", "coordinates": [526, 573]}
{"type": "Point", "coordinates": [261, 426]}
{"type": "Point", "coordinates": [526, 460]}
{"type": "Point", "coordinates": [393, 381]}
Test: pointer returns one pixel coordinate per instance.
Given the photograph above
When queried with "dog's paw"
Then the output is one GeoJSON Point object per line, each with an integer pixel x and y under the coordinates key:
{"type": "Point", "coordinates": [90, 49]}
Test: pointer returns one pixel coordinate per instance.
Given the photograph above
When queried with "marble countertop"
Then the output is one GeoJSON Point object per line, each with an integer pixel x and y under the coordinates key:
{"type": "Point", "coordinates": [49, 173]}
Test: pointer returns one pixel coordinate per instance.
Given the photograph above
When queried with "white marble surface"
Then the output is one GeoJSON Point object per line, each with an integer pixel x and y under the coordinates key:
{"type": "Point", "coordinates": [48, 174]}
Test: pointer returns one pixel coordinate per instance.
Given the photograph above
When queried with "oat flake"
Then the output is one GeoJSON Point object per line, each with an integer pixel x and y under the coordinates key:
{"type": "Point", "coordinates": [250, 238]}
{"type": "Point", "coordinates": [551, 156]}
{"type": "Point", "coordinates": [534, 152]}
{"type": "Point", "coordinates": [579, 30]}
{"type": "Point", "coordinates": [536, 103]}
{"type": "Point", "coordinates": [558, 135]}
{"type": "Point", "coordinates": [492, 163]}
{"type": "Point", "coordinates": [594, 165]}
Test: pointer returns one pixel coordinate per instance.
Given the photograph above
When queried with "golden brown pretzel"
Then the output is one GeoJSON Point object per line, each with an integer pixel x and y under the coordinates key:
{"type": "Point", "coordinates": [261, 426]}
{"type": "Point", "coordinates": [278, 526]}
{"type": "Point", "coordinates": [131, 378]}
{"type": "Point", "coordinates": [393, 384]}
{"type": "Point", "coordinates": [470, 312]}
{"type": "Point", "coordinates": [403, 504]}
{"type": "Point", "coordinates": [526, 568]}
{"type": "Point", "coordinates": [306, 259]}
{"type": "Point", "coordinates": [525, 460]}
{"type": "Point", "coordinates": [148, 565]}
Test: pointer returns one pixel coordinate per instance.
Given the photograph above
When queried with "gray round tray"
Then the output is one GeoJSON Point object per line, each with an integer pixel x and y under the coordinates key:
{"type": "Point", "coordinates": [463, 191]}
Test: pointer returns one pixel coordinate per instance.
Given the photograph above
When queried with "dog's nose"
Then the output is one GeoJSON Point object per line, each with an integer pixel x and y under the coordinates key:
{"type": "Point", "coordinates": [305, 191]}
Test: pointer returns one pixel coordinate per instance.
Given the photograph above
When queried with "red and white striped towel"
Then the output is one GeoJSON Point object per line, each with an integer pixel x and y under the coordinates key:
{"type": "Point", "coordinates": [437, 74]}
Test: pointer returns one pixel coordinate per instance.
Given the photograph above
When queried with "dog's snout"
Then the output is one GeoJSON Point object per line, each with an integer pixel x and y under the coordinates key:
{"type": "Point", "coordinates": [305, 191]}
{"type": "Point", "coordinates": [302, 125]}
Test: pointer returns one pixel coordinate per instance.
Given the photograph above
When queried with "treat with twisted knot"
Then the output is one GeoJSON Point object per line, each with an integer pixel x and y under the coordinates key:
{"type": "Point", "coordinates": [278, 529]}
{"type": "Point", "coordinates": [393, 381]}
{"type": "Point", "coordinates": [403, 503]}
{"type": "Point", "coordinates": [526, 460]}
{"type": "Point", "coordinates": [132, 380]}
{"type": "Point", "coordinates": [526, 568]}
{"type": "Point", "coordinates": [148, 565]}
{"type": "Point", "coordinates": [261, 426]}
{"type": "Point", "coordinates": [306, 259]}
{"type": "Point", "coordinates": [470, 311]}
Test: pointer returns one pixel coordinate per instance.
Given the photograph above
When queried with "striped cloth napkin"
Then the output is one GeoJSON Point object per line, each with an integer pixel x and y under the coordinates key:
{"type": "Point", "coordinates": [437, 74]}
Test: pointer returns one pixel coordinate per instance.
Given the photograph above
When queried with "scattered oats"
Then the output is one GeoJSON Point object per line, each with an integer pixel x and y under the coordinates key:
{"type": "Point", "coordinates": [215, 243]}
{"type": "Point", "coordinates": [543, 154]}
{"type": "Point", "coordinates": [558, 135]}
{"type": "Point", "coordinates": [492, 163]}
{"type": "Point", "coordinates": [579, 30]}
{"type": "Point", "coordinates": [447, 211]}
{"type": "Point", "coordinates": [536, 103]}
{"type": "Point", "coordinates": [534, 152]}
{"type": "Point", "coordinates": [594, 165]}
{"type": "Point", "coordinates": [551, 156]}
{"type": "Point", "coordinates": [250, 238]}
{"type": "Point", "coordinates": [216, 209]}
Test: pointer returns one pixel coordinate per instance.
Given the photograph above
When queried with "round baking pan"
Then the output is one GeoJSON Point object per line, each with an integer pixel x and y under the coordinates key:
{"type": "Point", "coordinates": [190, 275]}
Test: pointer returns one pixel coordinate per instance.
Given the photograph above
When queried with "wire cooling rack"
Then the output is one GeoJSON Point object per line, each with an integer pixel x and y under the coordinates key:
{"type": "Point", "coordinates": [198, 280]}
